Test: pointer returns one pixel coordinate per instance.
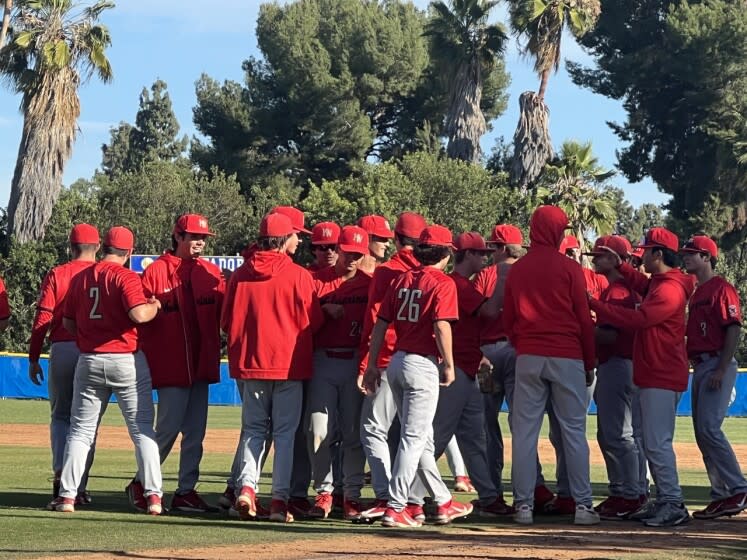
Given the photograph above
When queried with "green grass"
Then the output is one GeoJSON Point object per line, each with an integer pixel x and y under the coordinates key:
{"type": "Point", "coordinates": [26, 530]}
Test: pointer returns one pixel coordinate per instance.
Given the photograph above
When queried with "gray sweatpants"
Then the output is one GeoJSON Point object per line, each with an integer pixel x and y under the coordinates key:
{"type": "Point", "coordinates": [461, 412]}
{"type": "Point", "coordinates": [709, 409]}
{"type": "Point", "coordinates": [265, 403]}
{"type": "Point", "coordinates": [563, 382]}
{"type": "Point", "coordinates": [63, 357]}
{"type": "Point", "coordinates": [377, 415]}
{"type": "Point", "coordinates": [97, 376]}
{"type": "Point", "coordinates": [658, 413]}
{"type": "Point", "coordinates": [414, 381]}
{"type": "Point", "coordinates": [334, 408]}
{"type": "Point", "coordinates": [614, 396]}
{"type": "Point", "coordinates": [183, 410]}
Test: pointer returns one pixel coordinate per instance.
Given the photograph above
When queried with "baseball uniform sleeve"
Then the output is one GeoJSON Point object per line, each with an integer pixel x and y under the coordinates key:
{"type": "Point", "coordinates": [583, 316]}
{"type": "Point", "coordinates": [4, 305]}
{"type": "Point", "coordinates": [446, 303]}
{"type": "Point", "coordinates": [485, 280]}
{"type": "Point", "coordinates": [149, 288]}
{"type": "Point", "coordinates": [470, 299]}
{"type": "Point", "coordinates": [388, 303]}
{"type": "Point", "coordinates": [730, 312]}
{"type": "Point", "coordinates": [43, 318]}
{"type": "Point", "coordinates": [132, 290]}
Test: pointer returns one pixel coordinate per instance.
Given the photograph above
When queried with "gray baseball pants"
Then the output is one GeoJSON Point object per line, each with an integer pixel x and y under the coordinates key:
{"type": "Point", "coordinates": [709, 409]}
{"type": "Point", "coordinates": [63, 357]}
{"type": "Point", "coordinates": [269, 403]}
{"type": "Point", "coordinates": [97, 377]}
{"type": "Point", "coordinates": [414, 382]}
{"type": "Point", "coordinates": [658, 413]}
{"type": "Point", "coordinates": [562, 381]}
{"type": "Point", "coordinates": [614, 395]}
{"type": "Point", "coordinates": [377, 415]}
{"type": "Point", "coordinates": [454, 458]}
{"type": "Point", "coordinates": [334, 409]}
{"type": "Point", "coordinates": [643, 475]}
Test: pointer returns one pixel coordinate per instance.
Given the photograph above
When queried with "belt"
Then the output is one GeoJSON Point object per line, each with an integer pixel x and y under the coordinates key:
{"type": "Point", "coordinates": [340, 354]}
{"type": "Point", "coordinates": [698, 359]}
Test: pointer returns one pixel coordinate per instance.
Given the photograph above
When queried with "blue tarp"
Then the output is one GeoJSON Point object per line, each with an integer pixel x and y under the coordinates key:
{"type": "Point", "coordinates": [15, 384]}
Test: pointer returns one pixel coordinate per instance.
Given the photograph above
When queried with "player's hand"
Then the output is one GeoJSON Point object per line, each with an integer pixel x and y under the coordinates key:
{"type": "Point", "coordinates": [333, 310]}
{"type": "Point", "coordinates": [590, 375]}
{"type": "Point", "coordinates": [448, 375]}
{"type": "Point", "coordinates": [371, 380]}
{"type": "Point", "coordinates": [36, 373]}
{"type": "Point", "coordinates": [485, 376]}
{"type": "Point", "coordinates": [715, 379]}
{"type": "Point", "coordinates": [154, 301]}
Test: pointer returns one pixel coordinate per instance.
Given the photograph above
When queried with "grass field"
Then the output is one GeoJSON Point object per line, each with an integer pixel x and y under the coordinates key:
{"type": "Point", "coordinates": [26, 530]}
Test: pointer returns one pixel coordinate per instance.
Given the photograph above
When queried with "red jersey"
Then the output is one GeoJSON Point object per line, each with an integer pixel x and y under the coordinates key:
{"type": "Point", "coordinates": [617, 293]}
{"type": "Point", "coordinates": [382, 278]}
{"type": "Point", "coordinates": [713, 307]}
{"type": "Point", "coordinates": [595, 283]}
{"type": "Point", "coordinates": [270, 315]}
{"type": "Point", "coordinates": [99, 300]}
{"type": "Point", "coordinates": [491, 328]}
{"type": "Point", "coordinates": [659, 356]}
{"type": "Point", "coordinates": [466, 332]}
{"type": "Point", "coordinates": [4, 305]}
{"type": "Point", "coordinates": [352, 294]}
{"type": "Point", "coordinates": [191, 295]}
{"type": "Point", "coordinates": [413, 303]}
{"type": "Point", "coordinates": [50, 306]}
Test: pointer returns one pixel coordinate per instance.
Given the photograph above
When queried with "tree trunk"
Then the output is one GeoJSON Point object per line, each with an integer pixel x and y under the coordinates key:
{"type": "Point", "coordinates": [532, 143]}
{"type": "Point", "coordinates": [544, 79]}
{"type": "Point", "coordinates": [465, 123]}
{"type": "Point", "coordinates": [6, 22]}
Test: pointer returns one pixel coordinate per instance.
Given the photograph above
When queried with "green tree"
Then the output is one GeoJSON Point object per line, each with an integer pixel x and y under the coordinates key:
{"type": "Point", "coordinates": [55, 46]}
{"type": "Point", "coordinates": [540, 24]}
{"type": "Point", "coordinates": [465, 48]}
{"type": "Point", "coordinates": [680, 69]}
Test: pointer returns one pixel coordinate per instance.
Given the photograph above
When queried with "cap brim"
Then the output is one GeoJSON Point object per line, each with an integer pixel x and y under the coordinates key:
{"type": "Point", "coordinates": [208, 233]}
{"type": "Point", "coordinates": [302, 230]}
{"type": "Point", "coordinates": [384, 235]}
{"type": "Point", "coordinates": [692, 250]}
{"type": "Point", "coordinates": [353, 249]}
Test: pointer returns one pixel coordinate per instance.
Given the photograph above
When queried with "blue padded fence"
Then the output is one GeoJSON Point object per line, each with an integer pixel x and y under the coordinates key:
{"type": "Point", "coordinates": [15, 384]}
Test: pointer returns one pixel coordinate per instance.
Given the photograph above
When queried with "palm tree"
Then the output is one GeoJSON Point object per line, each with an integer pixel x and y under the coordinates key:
{"type": "Point", "coordinates": [8, 5]}
{"type": "Point", "coordinates": [55, 45]}
{"type": "Point", "coordinates": [540, 23]}
{"type": "Point", "coordinates": [466, 48]}
{"type": "Point", "coordinates": [576, 182]}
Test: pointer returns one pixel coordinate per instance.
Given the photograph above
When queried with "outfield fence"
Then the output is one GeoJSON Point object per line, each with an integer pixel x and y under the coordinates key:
{"type": "Point", "coordinates": [15, 384]}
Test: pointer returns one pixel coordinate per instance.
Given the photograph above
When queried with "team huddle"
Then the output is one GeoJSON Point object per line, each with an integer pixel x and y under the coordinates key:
{"type": "Point", "coordinates": [393, 363]}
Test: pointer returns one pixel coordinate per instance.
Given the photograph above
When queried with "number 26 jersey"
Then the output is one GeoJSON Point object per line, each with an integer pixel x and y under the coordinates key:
{"type": "Point", "coordinates": [98, 301]}
{"type": "Point", "coordinates": [415, 300]}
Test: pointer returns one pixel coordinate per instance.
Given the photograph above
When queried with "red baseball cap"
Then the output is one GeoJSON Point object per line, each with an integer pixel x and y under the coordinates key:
{"type": "Point", "coordinates": [325, 233]}
{"type": "Point", "coordinates": [376, 225]}
{"type": "Point", "coordinates": [295, 215]}
{"type": "Point", "coordinates": [637, 252]}
{"type": "Point", "coordinates": [569, 242]}
{"type": "Point", "coordinates": [276, 225]}
{"type": "Point", "coordinates": [617, 243]}
{"type": "Point", "coordinates": [192, 223]}
{"type": "Point", "coordinates": [410, 224]}
{"type": "Point", "coordinates": [119, 237]}
{"type": "Point", "coordinates": [700, 244]}
{"type": "Point", "coordinates": [471, 241]}
{"type": "Point", "coordinates": [506, 234]}
{"type": "Point", "coordinates": [437, 236]}
{"type": "Point", "coordinates": [84, 234]}
{"type": "Point", "coordinates": [660, 237]}
{"type": "Point", "coordinates": [353, 239]}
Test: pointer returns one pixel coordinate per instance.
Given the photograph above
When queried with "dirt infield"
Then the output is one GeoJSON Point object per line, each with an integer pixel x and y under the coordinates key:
{"type": "Point", "coordinates": [551, 543]}
{"type": "Point", "coordinates": [224, 441]}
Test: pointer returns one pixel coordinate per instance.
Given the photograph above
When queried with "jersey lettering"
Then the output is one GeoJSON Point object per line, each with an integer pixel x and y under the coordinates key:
{"type": "Point", "coordinates": [355, 329]}
{"type": "Point", "coordinates": [94, 294]}
{"type": "Point", "coordinates": [410, 301]}
{"type": "Point", "coordinates": [703, 327]}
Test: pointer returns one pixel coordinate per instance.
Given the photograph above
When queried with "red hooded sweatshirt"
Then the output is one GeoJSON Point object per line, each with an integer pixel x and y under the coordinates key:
{"type": "Point", "coordinates": [659, 355]}
{"type": "Point", "coordinates": [545, 308]}
{"type": "Point", "coordinates": [182, 343]}
{"type": "Point", "coordinates": [270, 315]}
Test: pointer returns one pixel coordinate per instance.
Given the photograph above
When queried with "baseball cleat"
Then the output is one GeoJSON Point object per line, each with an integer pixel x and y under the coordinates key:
{"type": "Point", "coordinates": [136, 495]}
{"type": "Point", "coordinates": [497, 507]}
{"type": "Point", "coordinates": [724, 507]}
{"type": "Point", "coordinates": [246, 503]}
{"type": "Point", "coordinates": [63, 505]}
{"type": "Point", "coordinates": [463, 484]}
{"type": "Point", "coordinates": [542, 496]}
{"type": "Point", "coordinates": [191, 502]}
{"type": "Point", "coordinates": [560, 505]}
{"type": "Point", "coordinates": [668, 515]}
{"type": "Point", "coordinates": [299, 507]}
{"type": "Point", "coordinates": [585, 515]}
{"type": "Point", "coordinates": [154, 505]}
{"type": "Point", "coordinates": [416, 512]}
{"type": "Point", "coordinates": [83, 498]}
{"type": "Point", "coordinates": [451, 510]}
{"type": "Point", "coordinates": [401, 519]}
{"type": "Point", "coordinates": [376, 511]}
{"type": "Point", "coordinates": [322, 506]}
{"type": "Point", "coordinates": [227, 499]}
{"type": "Point", "coordinates": [351, 510]}
{"type": "Point", "coordinates": [279, 512]}
{"type": "Point", "coordinates": [524, 515]}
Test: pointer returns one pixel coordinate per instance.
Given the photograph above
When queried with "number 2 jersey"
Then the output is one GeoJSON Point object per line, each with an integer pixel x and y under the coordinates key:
{"type": "Point", "coordinates": [352, 295]}
{"type": "Point", "coordinates": [99, 300]}
{"type": "Point", "coordinates": [713, 307]}
{"type": "Point", "coordinates": [413, 303]}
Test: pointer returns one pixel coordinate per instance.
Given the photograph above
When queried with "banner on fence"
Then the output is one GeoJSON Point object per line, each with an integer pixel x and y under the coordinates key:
{"type": "Point", "coordinates": [139, 263]}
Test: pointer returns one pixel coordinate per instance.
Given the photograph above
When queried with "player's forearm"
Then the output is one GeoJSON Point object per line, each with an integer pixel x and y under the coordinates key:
{"type": "Point", "coordinates": [731, 339]}
{"type": "Point", "coordinates": [442, 332]}
{"type": "Point", "coordinates": [143, 313]}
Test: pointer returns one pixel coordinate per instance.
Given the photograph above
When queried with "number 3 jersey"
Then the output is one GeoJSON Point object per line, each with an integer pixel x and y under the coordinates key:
{"type": "Point", "coordinates": [352, 295]}
{"type": "Point", "coordinates": [713, 307]}
{"type": "Point", "coordinates": [414, 302]}
{"type": "Point", "coordinates": [99, 300]}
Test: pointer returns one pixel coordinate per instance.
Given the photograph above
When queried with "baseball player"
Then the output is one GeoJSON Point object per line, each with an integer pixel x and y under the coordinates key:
{"type": "Point", "coordinates": [660, 367]}
{"type": "Point", "coordinates": [636, 260]}
{"type": "Point", "coordinates": [554, 360]}
{"type": "Point", "coordinates": [190, 290]}
{"type": "Point", "coordinates": [379, 411]}
{"type": "Point", "coordinates": [324, 237]}
{"type": "Point", "coordinates": [334, 401]}
{"type": "Point", "coordinates": [615, 393]}
{"type": "Point", "coordinates": [104, 304]}
{"type": "Point", "coordinates": [4, 307]}
{"type": "Point", "coordinates": [379, 235]}
{"type": "Point", "coordinates": [270, 315]}
{"type": "Point", "coordinates": [63, 352]}
{"type": "Point", "coordinates": [420, 305]}
{"type": "Point", "coordinates": [713, 328]}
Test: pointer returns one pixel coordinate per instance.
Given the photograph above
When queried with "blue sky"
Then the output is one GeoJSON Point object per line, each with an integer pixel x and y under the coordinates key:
{"type": "Point", "coordinates": [177, 40]}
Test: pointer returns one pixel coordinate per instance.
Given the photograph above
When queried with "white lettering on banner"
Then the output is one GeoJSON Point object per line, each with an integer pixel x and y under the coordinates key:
{"type": "Point", "coordinates": [139, 263]}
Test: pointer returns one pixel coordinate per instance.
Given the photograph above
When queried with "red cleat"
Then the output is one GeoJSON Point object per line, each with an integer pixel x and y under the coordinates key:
{"type": "Point", "coordinates": [450, 511]}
